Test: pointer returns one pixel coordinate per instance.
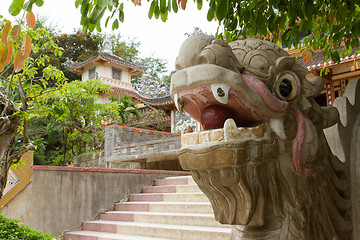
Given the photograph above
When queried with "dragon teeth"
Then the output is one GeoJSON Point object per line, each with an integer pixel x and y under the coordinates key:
{"type": "Point", "coordinates": [277, 125]}
{"type": "Point", "coordinates": [230, 132]}
{"type": "Point", "coordinates": [220, 92]}
{"type": "Point", "coordinates": [178, 105]}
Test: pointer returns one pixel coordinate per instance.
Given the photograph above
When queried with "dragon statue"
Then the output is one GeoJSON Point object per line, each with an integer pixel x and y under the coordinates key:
{"type": "Point", "coordinates": [262, 157]}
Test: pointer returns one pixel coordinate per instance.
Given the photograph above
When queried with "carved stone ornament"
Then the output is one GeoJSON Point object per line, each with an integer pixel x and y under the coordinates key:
{"type": "Point", "coordinates": [263, 159]}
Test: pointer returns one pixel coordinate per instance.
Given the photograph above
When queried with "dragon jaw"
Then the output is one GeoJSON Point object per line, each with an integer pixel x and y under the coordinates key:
{"type": "Point", "coordinates": [251, 108]}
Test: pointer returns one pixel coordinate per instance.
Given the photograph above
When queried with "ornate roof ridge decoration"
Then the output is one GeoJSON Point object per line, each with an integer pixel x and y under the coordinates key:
{"type": "Point", "coordinates": [156, 101]}
{"type": "Point", "coordinates": [125, 90]}
{"type": "Point", "coordinates": [106, 56]}
{"type": "Point", "coordinates": [152, 92]}
{"type": "Point", "coordinates": [318, 60]}
{"type": "Point", "coordinates": [148, 88]}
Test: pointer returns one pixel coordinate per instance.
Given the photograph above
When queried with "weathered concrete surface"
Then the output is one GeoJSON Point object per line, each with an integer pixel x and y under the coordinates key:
{"type": "Point", "coordinates": [167, 161]}
{"type": "Point", "coordinates": [124, 144]}
{"type": "Point", "coordinates": [97, 160]}
{"type": "Point", "coordinates": [59, 199]}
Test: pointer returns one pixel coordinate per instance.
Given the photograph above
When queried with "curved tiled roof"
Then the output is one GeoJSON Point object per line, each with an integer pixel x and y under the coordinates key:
{"type": "Point", "coordinates": [156, 101]}
{"type": "Point", "coordinates": [107, 57]}
{"type": "Point", "coordinates": [161, 101]}
{"type": "Point", "coordinates": [318, 60]}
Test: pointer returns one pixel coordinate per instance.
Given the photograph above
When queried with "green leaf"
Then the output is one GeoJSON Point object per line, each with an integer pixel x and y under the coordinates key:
{"type": "Point", "coordinates": [39, 3]}
{"type": "Point", "coordinates": [16, 7]}
{"type": "Point", "coordinates": [153, 5]}
{"type": "Point", "coordinates": [28, 6]}
{"type": "Point", "coordinates": [157, 12]}
{"type": "Point", "coordinates": [175, 6]}
{"type": "Point", "coordinates": [199, 4]}
{"type": "Point", "coordinates": [107, 21]}
{"type": "Point", "coordinates": [221, 9]}
{"type": "Point", "coordinates": [97, 15]}
{"type": "Point", "coordinates": [211, 12]}
{"type": "Point", "coordinates": [115, 24]}
{"type": "Point", "coordinates": [121, 16]}
{"type": "Point", "coordinates": [77, 3]}
{"type": "Point", "coordinates": [91, 27]}
{"type": "Point", "coordinates": [162, 6]}
{"type": "Point", "coordinates": [85, 9]}
{"type": "Point", "coordinates": [164, 16]}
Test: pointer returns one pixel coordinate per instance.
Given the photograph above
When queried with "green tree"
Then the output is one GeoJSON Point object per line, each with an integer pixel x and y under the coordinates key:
{"type": "Point", "coordinates": [327, 24]}
{"type": "Point", "coordinates": [79, 47]}
{"type": "Point", "coordinates": [126, 49]}
{"type": "Point", "coordinates": [155, 69]}
{"type": "Point", "coordinates": [22, 87]}
{"type": "Point", "coordinates": [76, 107]}
{"type": "Point", "coordinates": [126, 108]}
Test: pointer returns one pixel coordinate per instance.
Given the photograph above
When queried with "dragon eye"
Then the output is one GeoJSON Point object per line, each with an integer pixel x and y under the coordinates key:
{"type": "Point", "coordinates": [287, 86]}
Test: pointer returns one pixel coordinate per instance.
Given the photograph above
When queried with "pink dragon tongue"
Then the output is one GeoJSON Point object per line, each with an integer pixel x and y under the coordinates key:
{"type": "Point", "coordinates": [298, 143]}
{"type": "Point", "coordinates": [282, 106]}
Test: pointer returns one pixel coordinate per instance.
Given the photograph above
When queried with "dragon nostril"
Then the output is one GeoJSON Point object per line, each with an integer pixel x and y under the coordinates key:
{"type": "Point", "coordinates": [220, 92]}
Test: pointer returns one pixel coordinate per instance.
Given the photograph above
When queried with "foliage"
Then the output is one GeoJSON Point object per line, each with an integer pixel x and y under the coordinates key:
{"type": "Point", "coordinates": [129, 50]}
{"type": "Point", "coordinates": [153, 118]}
{"type": "Point", "coordinates": [21, 56]}
{"type": "Point", "coordinates": [51, 141]}
{"type": "Point", "coordinates": [126, 108]}
{"type": "Point", "coordinates": [155, 69]}
{"type": "Point", "coordinates": [126, 49]}
{"type": "Point", "coordinates": [79, 47]}
{"type": "Point", "coordinates": [327, 24]}
{"type": "Point", "coordinates": [76, 107]}
{"type": "Point", "coordinates": [12, 229]}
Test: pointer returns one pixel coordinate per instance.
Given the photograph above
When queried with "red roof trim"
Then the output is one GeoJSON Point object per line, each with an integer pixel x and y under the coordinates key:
{"type": "Point", "coordinates": [176, 134]}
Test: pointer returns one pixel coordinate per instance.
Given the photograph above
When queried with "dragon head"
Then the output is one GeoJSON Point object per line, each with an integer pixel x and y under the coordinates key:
{"type": "Point", "coordinates": [262, 141]}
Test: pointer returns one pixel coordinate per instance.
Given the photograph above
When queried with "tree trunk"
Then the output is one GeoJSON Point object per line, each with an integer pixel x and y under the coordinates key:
{"type": "Point", "coordinates": [8, 126]}
{"type": "Point", "coordinates": [96, 139]}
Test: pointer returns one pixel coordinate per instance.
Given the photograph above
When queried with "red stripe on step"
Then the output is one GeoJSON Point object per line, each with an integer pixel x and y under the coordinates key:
{"type": "Point", "coordinates": [124, 217]}
{"type": "Point", "coordinates": [100, 227]}
{"type": "Point", "coordinates": [145, 207]}
{"type": "Point", "coordinates": [160, 189]}
{"type": "Point", "coordinates": [146, 198]}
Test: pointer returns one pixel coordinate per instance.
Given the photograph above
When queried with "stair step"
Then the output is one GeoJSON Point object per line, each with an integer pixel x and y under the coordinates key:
{"type": "Point", "coordinates": [175, 208]}
{"type": "Point", "coordinates": [168, 197]}
{"type": "Point", "coordinates": [181, 180]}
{"type": "Point", "coordinates": [172, 189]}
{"type": "Point", "coordinates": [158, 230]}
{"type": "Point", "coordinates": [91, 235]}
{"type": "Point", "coordinates": [180, 207]}
{"type": "Point", "coordinates": [192, 219]}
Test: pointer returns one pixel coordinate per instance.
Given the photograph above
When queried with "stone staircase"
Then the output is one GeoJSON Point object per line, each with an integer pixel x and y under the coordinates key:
{"type": "Point", "coordinates": [174, 208]}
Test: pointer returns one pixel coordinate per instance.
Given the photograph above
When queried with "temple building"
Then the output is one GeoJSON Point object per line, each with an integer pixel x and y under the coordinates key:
{"type": "Point", "coordinates": [336, 75]}
{"type": "Point", "coordinates": [157, 109]}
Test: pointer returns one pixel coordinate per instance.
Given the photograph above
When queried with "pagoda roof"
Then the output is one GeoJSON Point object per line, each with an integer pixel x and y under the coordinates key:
{"type": "Point", "coordinates": [318, 62]}
{"type": "Point", "coordinates": [106, 57]}
{"type": "Point", "coordinates": [158, 101]}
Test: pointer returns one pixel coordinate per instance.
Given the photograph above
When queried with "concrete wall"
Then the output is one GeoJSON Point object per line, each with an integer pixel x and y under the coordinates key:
{"type": "Point", "coordinates": [60, 198]}
{"type": "Point", "coordinates": [157, 150]}
{"type": "Point", "coordinates": [97, 160]}
{"type": "Point", "coordinates": [134, 144]}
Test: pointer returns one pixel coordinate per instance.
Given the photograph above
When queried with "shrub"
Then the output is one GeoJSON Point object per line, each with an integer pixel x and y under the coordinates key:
{"type": "Point", "coordinates": [11, 229]}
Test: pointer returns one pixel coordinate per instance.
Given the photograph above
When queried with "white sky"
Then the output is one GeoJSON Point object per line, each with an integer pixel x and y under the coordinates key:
{"type": "Point", "coordinates": [157, 39]}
